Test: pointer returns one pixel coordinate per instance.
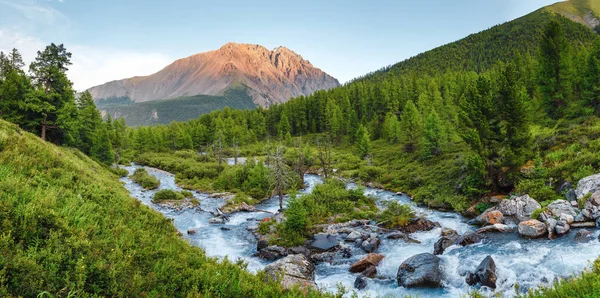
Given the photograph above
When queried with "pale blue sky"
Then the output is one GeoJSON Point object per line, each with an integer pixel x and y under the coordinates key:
{"type": "Point", "coordinates": [113, 39]}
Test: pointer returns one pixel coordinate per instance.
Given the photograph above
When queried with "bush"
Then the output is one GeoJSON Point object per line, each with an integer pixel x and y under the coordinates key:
{"type": "Point", "coordinates": [167, 195]}
{"type": "Point", "coordinates": [141, 177]}
{"type": "Point", "coordinates": [119, 172]}
{"type": "Point", "coordinates": [395, 215]}
{"type": "Point", "coordinates": [187, 194]}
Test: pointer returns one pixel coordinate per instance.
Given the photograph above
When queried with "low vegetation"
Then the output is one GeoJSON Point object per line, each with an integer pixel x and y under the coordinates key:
{"type": "Point", "coordinates": [141, 177]}
{"type": "Point", "coordinates": [167, 195]}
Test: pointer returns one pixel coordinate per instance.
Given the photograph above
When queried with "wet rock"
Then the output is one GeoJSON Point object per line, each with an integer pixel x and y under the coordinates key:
{"type": "Point", "coordinates": [361, 265]}
{"type": "Point", "coordinates": [585, 224]}
{"type": "Point", "coordinates": [560, 207]}
{"type": "Point", "coordinates": [360, 282]}
{"type": "Point", "coordinates": [402, 236]}
{"type": "Point", "coordinates": [324, 242]}
{"type": "Point", "coordinates": [252, 228]}
{"type": "Point", "coordinates": [571, 196]}
{"type": "Point", "coordinates": [293, 270]}
{"type": "Point", "coordinates": [191, 231]}
{"type": "Point", "coordinates": [262, 243]}
{"type": "Point", "coordinates": [448, 232]}
{"type": "Point", "coordinates": [532, 228]}
{"type": "Point", "coordinates": [491, 217]}
{"type": "Point", "coordinates": [583, 235]}
{"type": "Point", "coordinates": [242, 207]}
{"type": "Point", "coordinates": [519, 207]}
{"type": "Point", "coordinates": [500, 228]}
{"type": "Point", "coordinates": [579, 218]}
{"type": "Point", "coordinates": [566, 186]}
{"type": "Point", "coordinates": [468, 238]}
{"type": "Point", "coordinates": [324, 257]}
{"type": "Point", "coordinates": [216, 220]}
{"type": "Point", "coordinates": [299, 250]}
{"type": "Point", "coordinates": [485, 274]}
{"type": "Point", "coordinates": [422, 270]}
{"type": "Point", "coordinates": [370, 272]}
{"type": "Point", "coordinates": [587, 185]}
{"type": "Point", "coordinates": [440, 246]}
{"type": "Point", "coordinates": [419, 225]}
{"type": "Point", "coordinates": [562, 227]}
{"type": "Point", "coordinates": [225, 229]}
{"type": "Point", "coordinates": [273, 253]}
{"type": "Point", "coordinates": [371, 244]}
{"type": "Point", "coordinates": [353, 236]}
{"type": "Point", "coordinates": [345, 252]}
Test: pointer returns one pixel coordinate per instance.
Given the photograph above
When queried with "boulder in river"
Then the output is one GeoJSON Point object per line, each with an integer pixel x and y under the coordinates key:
{"type": "Point", "coordinates": [324, 242]}
{"type": "Point", "coordinates": [485, 274]}
{"type": "Point", "coordinates": [583, 235]}
{"type": "Point", "coordinates": [422, 270]}
{"type": "Point", "coordinates": [293, 270]}
{"type": "Point", "coordinates": [467, 239]}
{"type": "Point", "coordinates": [586, 185]}
{"type": "Point", "coordinates": [360, 282]}
{"type": "Point", "coordinates": [402, 236]}
{"type": "Point", "coordinates": [299, 250]}
{"type": "Point", "coordinates": [519, 208]}
{"type": "Point", "coordinates": [323, 257]}
{"type": "Point", "coordinates": [562, 227]}
{"type": "Point", "coordinates": [444, 242]}
{"type": "Point", "coordinates": [353, 236]}
{"type": "Point", "coordinates": [532, 228]}
{"type": "Point", "coordinates": [361, 265]}
{"type": "Point", "coordinates": [371, 244]}
{"type": "Point", "coordinates": [191, 231]}
{"type": "Point", "coordinates": [560, 207]}
{"type": "Point", "coordinates": [262, 243]}
{"type": "Point", "coordinates": [273, 253]}
{"type": "Point", "coordinates": [550, 226]}
{"type": "Point", "coordinates": [492, 217]}
{"type": "Point", "coordinates": [419, 225]}
{"type": "Point", "coordinates": [448, 232]}
{"type": "Point", "coordinates": [500, 228]}
{"type": "Point", "coordinates": [216, 220]}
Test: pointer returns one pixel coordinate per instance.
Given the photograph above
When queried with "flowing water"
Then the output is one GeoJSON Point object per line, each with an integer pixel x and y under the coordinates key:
{"type": "Point", "coordinates": [528, 263]}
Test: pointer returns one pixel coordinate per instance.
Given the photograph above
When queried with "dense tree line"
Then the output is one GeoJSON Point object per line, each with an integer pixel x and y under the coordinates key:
{"type": "Point", "coordinates": [42, 101]}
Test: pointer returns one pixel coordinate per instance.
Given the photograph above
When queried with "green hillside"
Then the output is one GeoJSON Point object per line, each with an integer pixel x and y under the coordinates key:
{"type": "Point", "coordinates": [178, 109]}
{"type": "Point", "coordinates": [480, 51]}
{"type": "Point", "coordinates": [69, 229]}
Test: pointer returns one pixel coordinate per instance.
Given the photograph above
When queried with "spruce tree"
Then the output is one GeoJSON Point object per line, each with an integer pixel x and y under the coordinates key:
{"type": "Point", "coordinates": [363, 141]}
{"type": "Point", "coordinates": [555, 69]}
{"type": "Point", "coordinates": [433, 135]}
{"type": "Point", "coordinates": [411, 126]}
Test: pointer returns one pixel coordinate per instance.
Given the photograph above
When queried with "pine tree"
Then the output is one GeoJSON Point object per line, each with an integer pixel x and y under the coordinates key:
{"type": "Point", "coordinates": [90, 121]}
{"type": "Point", "coordinates": [555, 69]}
{"type": "Point", "coordinates": [592, 79]}
{"type": "Point", "coordinates": [391, 128]}
{"type": "Point", "coordinates": [411, 126]}
{"type": "Point", "coordinates": [101, 149]}
{"type": "Point", "coordinates": [363, 141]}
{"type": "Point", "coordinates": [433, 135]}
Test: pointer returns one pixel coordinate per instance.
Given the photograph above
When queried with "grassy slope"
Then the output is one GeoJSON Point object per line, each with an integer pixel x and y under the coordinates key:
{"type": "Point", "coordinates": [179, 109]}
{"type": "Point", "coordinates": [69, 227]}
{"type": "Point", "coordinates": [576, 10]}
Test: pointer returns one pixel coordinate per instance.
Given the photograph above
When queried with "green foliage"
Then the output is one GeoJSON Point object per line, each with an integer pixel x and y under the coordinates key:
{"type": "Point", "coordinates": [363, 141]}
{"type": "Point", "coordinates": [481, 207]}
{"type": "Point", "coordinates": [70, 228]}
{"type": "Point", "coordinates": [412, 127]}
{"type": "Point", "coordinates": [119, 171]}
{"type": "Point", "coordinates": [141, 177]}
{"type": "Point", "coordinates": [433, 136]}
{"type": "Point", "coordinates": [167, 195]}
{"type": "Point", "coordinates": [395, 215]}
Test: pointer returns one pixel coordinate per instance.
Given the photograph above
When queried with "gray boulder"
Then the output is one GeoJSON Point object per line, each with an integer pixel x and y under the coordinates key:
{"type": "Point", "coordinates": [550, 226]}
{"type": "Point", "coordinates": [324, 242]}
{"type": "Point", "coordinates": [560, 207]}
{"type": "Point", "coordinates": [293, 270]}
{"type": "Point", "coordinates": [299, 250]}
{"type": "Point", "coordinates": [371, 245]}
{"type": "Point", "coordinates": [571, 196]}
{"type": "Point", "coordinates": [485, 274]}
{"type": "Point", "coordinates": [273, 253]}
{"type": "Point", "coordinates": [583, 235]}
{"type": "Point", "coordinates": [519, 208]}
{"type": "Point", "coordinates": [500, 228]}
{"type": "Point", "coordinates": [562, 227]}
{"type": "Point", "coordinates": [353, 236]}
{"type": "Point", "coordinates": [360, 282]}
{"type": "Point", "coordinates": [216, 220]}
{"type": "Point", "coordinates": [586, 185]}
{"type": "Point", "coordinates": [444, 242]}
{"type": "Point", "coordinates": [324, 257]}
{"type": "Point", "coordinates": [532, 228]}
{"type": "Point", "coordinates": [262, 243]}
{"type": "Point", "coordinates": [591, 208]}
{"type": "Point", "coordinates": [468, 238]}
{"type": "Point", "coordinates": [422, 270]}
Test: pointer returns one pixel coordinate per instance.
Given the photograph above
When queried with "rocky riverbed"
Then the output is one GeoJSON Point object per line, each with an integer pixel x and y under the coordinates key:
{"type": "Point", "coordinates": [441, 256]}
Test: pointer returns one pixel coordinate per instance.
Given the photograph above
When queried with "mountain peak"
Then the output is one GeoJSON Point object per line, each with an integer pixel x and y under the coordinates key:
{"type": "Point", "coordinates": [271, 76]}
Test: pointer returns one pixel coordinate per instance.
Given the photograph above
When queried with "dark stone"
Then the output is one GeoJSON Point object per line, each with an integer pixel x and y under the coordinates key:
{"type": "Point", "coordinates": [346, 253]}
{"type": "Point", "coordinates": [440, 246]}
{"type": "Point", "coordinates": [262, 243]}
{"type": "Point", "coordinates": [468, 239]}
{"type": "Point", "coordinates": [402, 236]}
{"type": "Point", "coordinates": [371, 271]}
{"type": "Point", "coordinates": [191, 232]}
{"type": "Point", "coordinates": [225, 229]}
{"type": "Point", "coordinates": [299, 250]}
{"type": "Point", "coordinates": [419, 225]}
{"type": "Point", "coordinates": [485, 274]}
{"type": "Point", "coordinates": [571, 195]}
{"type": "Point", "coordinates": [582, 235]}
{"type": "Point", "coordinates": [324, 242]}
{"type": "Point", "coordinates": [273, 253]}
{"type": "Point", "coordinates": [566, 186]}
{"type": "Point", "coordinates": [360, 282]}
{"type": "Point", "coordinates": [422, 270]}
{"type": "Point", "coordinates": [371, 245]}
{"type": "Point", "coordinates": [324, 257]}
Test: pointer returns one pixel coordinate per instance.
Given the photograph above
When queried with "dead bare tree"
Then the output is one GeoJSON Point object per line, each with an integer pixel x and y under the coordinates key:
{"type": "Point", "coordinates": [324, 148]}
{"type": "Point", "coordinates": [280, 174]}
{"type": "Point", "coordinates": [302, 159]}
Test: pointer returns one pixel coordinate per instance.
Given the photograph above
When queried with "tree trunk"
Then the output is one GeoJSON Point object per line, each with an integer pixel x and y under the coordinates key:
{"type": "Point", "coordinates": [44, 129]}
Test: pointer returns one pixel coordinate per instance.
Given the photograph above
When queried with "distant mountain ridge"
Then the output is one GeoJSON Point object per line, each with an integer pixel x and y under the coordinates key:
{"type": "Point", "coordinates": [268, 76]}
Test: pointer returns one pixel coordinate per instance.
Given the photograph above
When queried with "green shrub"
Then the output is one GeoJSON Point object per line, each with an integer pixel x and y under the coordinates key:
{"type": "Point", "coordinates": [395, 215]}
{"type": "Point", "coordinates": [537, 212]}
{"type": "Point", "coordinates": [119, 171]}
{"type": "Point", "coordinates": [141, 177]}
{"type": "Point", "coordinates": [481, 207]}
{"type": "Point", "coordinates": [167, 195]}
{"type": "Point", "coordinates": [537, 189]}
{"type": "Point", "coordinates": [187, 194]}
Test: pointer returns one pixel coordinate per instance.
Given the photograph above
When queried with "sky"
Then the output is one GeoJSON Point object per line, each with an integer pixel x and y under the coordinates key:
{"type": "Point", "coordinates": [116, 39]}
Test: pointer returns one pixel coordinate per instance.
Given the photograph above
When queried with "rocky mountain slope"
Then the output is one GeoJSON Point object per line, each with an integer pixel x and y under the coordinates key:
{"type": "Point", "coordinates": [270, 76]}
